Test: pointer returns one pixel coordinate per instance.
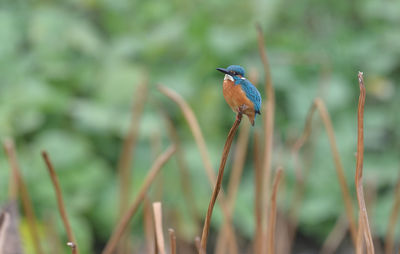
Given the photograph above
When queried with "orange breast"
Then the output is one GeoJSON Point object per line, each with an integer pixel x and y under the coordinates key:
{"type": "Point", "coordinates": [235, 96]}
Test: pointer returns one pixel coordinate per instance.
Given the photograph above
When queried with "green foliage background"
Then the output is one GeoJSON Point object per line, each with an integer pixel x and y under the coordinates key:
{"type": "Point", "coordinates": [69, 69]}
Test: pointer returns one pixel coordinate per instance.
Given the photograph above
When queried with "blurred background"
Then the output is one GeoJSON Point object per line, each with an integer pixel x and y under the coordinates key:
{"type": "Point", "coordinates": [70, 72]}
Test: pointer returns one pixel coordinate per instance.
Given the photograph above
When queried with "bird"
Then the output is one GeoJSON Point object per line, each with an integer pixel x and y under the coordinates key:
{"type": "Point", "coordinates": [240, 94]}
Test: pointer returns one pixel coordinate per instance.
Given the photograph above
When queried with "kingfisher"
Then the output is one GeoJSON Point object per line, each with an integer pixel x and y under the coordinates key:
{"type": "Point", "coordinates": [240, 94]}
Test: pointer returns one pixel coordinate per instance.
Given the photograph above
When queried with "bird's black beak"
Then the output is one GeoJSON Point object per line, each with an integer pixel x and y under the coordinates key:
{"type": "Point", "coordinates": [223, 70]}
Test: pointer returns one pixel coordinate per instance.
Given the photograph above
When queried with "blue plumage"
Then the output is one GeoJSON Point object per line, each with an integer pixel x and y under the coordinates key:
{"type": "Point", "coordinates": [251, 91]}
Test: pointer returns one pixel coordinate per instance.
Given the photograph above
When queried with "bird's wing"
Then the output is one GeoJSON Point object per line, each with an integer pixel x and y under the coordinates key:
{"type": "Point", "coordinates": [252, 93]}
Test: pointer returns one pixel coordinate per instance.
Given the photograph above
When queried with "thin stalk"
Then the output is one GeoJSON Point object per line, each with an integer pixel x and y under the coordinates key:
{"type": "Point", "coordinates": [269, 127]}
{"type": "Point", "coordinates": [172, 239]}
{"type": "Point", "coordinates": [359, 169]}
{"type": "Point", "coordinates": [218, 185]}
{"type": "Point", "coordinates": [157, 211]}
{"type": "Point", "coordinates": [71, 237]}
{"type": "Point", "coordinates": [389, 242]}
{"type": "Point", "coordinates": [272, 213]}
{"type": "Point", "coordinates": [336, 236]}
{"type": "Point", "coordinates": [197, 243]}
{"type": "Point", "coordinates": [323, 112]}
{"type": "Point", "coordinates": [234, 182]}
{"type": "Point", "coordinates": [124, 221]}
{"type": "Point", "coordinates": [201, 144]}
{"type": "Point", "coordinates": [257, 195]}
{"type": "Point", "coordinates": [185, 179]}
{"type": "Point", "coordinates": [128, 147]}
{"type": "Point", "coordinates": [148, 226]}
{"type": "Point", "coordinates": [26, 200]}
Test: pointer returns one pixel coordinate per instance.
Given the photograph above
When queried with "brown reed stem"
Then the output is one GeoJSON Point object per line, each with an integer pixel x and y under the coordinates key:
{"type": "Point", "coordinates": [124, 221]}
{"type": "Point", "coordinates": [185, 179]}
{"type": "Point", "coordinates": [334, 238]}
{"type": "Point", "coordinates": [172, 239]}
{"type": "Point", "coordinates": [71, 238]}
{"type": "Point", "coordinates": [389, 242]}
{"type": "Point", "coordinates": [234, 182]}
{"type": "Point", "coordinates": [197, 243]}
{"type": "Point", "coordinates": [201, 144]}
{"type": "Point", "coordinates": [148, 226]}
{"type": "Point", "coordinates": [157, 211]}
{"type": "Point", "coordinates": [128, 147]}
{"type": "Point", "coordinates": [257, 194]}
{"type": "Point", "coordinates": [269, 128]}
{"type": "Point", "coordinates": [359, 168]}
{"type": "Point", "coordinates": [5, 221]}
{"type": "Point", "coordinates": [217, 187]}
{"type": "Point", "coordinates": [323, 112]}
{"type": "Point", "coordinates": [272, 213]}
{"type": "Point", "coordinates": [23, 190]}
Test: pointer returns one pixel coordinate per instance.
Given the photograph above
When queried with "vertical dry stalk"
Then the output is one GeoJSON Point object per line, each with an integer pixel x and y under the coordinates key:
{"type": "Point", "coordinates": [201, 144]}
{"type": "Point", "coordinates": [272, 213]}
{"type": "Point", "coordinates": [339, 167]}
{"type": "Point", "coordinates": [71, 238]}
{"type": "Point", "coordinates": [389, 242]}
{"type": "Point", "coordinates": [13, 181]}
{"type": "Point", "coordinates": [257, 195]}
{"type": "Point", "coordinates": [157, 211]}
{"type": "Point", "coordinates": [234, 182]}
{"type": "Point", "coordinates": [197, 243]}
{"type": "Point", "coordinates": [359, 168]}
{"type": "Point", "coordinates": [124, 221]}
{"type": "Point", "coordinates": [126, 155]}
{"type": "Point", "coordinates": [26, 200]}
{"type": "Point", "coordinates": [360, 242]}
{"type": "Point", "coordinates": [4, 224]}
{"type": "Point", "coordinates": [323, 112]}
{"type": "Point", "coordinates": [194, 127]}
{"type": "Point", "coordinates": [148, 226]}
{"type": "Point", "coordinates": [172, 239]}
{"type": "Point", "coordinates": [334, 238]}
{"type": "Point", "coordinates": [128, 147]}
{"type": "Point", "coordinates": [52, 237]}
{"type": "Point", "coordinates": [183, 168]}
{"type": "Point", "coordinates": [218, 184]}
{"type": "Point", "coordinates": [269, 125]}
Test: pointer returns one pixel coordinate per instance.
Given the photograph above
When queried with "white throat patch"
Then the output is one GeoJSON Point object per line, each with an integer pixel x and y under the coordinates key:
{"type": "Point", "coordinates": [229, 77]}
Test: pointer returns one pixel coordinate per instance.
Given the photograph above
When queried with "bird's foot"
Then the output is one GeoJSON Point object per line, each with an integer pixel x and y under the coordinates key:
{"type": "Point", "coordinates": [242, 108]}
{"type": "Point", "coordinates": [239, 116]}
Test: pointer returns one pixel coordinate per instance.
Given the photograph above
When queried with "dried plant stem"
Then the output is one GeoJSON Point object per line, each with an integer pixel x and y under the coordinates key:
{"type": "Point", "coordinates": [148, 225]}
{"type": "Point", "coordinates": [26, 200]}
{"type": "Point", "coordinates": [197, 243]}
{"type": "Point", "coordinates": [5, 220]}
{"type": "Point", "coordinates": [269, 128]}
{"type": "Point", "coordinates": [389, 242]}
{"type": "Point", "coordinates": [272, 213]}
{"type": "Point", "coordinates": [157, 211]}
{"type": "Point", "coordinates": [198, 136]}
{"type": "Point", "coordinates": [334, 238]}
{"type": "Point", "coordinates": [52, 237]}
{"type": "Point", "coordinates": [257, 194]}
{"type": "Point", "coordinates": [359, 169]}
{"type": "Point", "coordinates": [218, 184]}
{"type": "Point", "coordinates": [124, 221]}
{"type": "Point", "coordinates": [172, 239]}
{"type": "Point", "coordinates": [128, 147]}
{"type": "Point", "coordinates": [71, 238]}
{"type": "Point", "coordinates": [323, 112]}
{"type": "Point", "coordinates": [234, 182]}
{"type": "Point", "coordinates": [185, 179]}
